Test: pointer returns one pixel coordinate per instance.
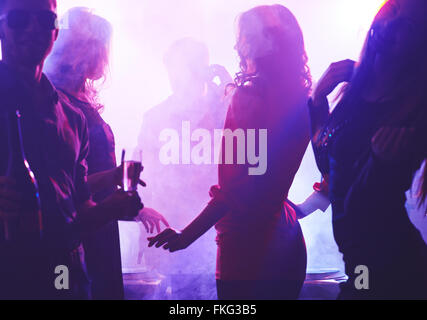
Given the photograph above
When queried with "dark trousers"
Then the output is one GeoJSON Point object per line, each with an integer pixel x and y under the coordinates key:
{"type": "Point", "coordinates": [103, 260]}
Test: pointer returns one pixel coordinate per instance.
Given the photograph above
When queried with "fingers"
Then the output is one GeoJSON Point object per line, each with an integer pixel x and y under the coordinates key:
{"type": "Point", "coordinates": [157, 223]}
{"type": "Point", "coordinates": [138, 203]}
{"type": "Point", "coordinates": [124, 204]}
{"type": "Point", "coordinates": [154, 223]}
{"type": "Point", "coordinates": [385, 137]}
{"type": "Point", "coordinates": [396, 140]}
{"type": "Point", "coordinates": [165, 222]}
{"type": "Point", "coordinates": [161, 238]}
{"type": "Point", "coordinates": [214, 191]}
{"type": "Point", "coordinates": [142, 183]}
{"type": "Point", "coordinates": [170, 239]}
{"type": "Point", "coordinates": [164, 240]}
{"type": "Point", "coordinates": [335, 77]}
{"type": "Point", "coordinates": [173, 244]}
{"type": "Point", "coordinates": [337, 72]}
{"type": "Point", "coordinates": [155, 217]}
{"type": "Point", "coordinates": [146, 226]}
{"type": "Point", "coordinates": [170, 246]}
{"type": "Point", "coordinates": [222, 72]}
{"type": "Point", "coordinates": [389, 142]}
{"type": "Point", "coordinates": [134, 203]}
{"type": "Point", "coordinates": [382, 140]}
{"type": "Point", "coordinates": [139, 218]}
{"type": "Point", "coordinates": [118, 175]}
{"type": "Point", "coordinates": [345, 66]}
{"type": "Point", "coordinates": [379, 141]}
{"type": "Point", "coordinates": [405, 139]}
{"type": "Point", "coordinates": [151, 225]}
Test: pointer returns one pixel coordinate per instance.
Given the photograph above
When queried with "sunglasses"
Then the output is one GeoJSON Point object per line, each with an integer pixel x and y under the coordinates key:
{"type": "Point", "coordinates": [21, 19]}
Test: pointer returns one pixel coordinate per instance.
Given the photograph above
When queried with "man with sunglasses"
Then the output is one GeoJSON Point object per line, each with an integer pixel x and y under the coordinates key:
{"type": "Point", "coordinates": [45, 204]}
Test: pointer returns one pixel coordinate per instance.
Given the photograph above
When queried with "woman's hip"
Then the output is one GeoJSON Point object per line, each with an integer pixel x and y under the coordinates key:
{"type": "Point", "coordinates": [276, 254]}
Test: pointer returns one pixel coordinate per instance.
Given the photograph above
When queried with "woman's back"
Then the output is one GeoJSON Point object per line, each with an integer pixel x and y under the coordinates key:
{"type": "Point", "coordinates": [260, 198]}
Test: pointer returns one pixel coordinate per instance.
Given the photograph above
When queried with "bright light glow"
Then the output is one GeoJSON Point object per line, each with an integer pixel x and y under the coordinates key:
{"type": "Point", "coordinates": [356, 15]}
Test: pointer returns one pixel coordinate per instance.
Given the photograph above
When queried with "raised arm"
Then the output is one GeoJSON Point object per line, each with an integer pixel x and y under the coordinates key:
{"type": "Point", "coordinates": [337, 73]}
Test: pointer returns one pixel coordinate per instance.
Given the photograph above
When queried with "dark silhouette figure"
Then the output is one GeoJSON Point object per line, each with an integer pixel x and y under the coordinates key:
{"type": "Point", "coordinates": [369, 149]}
{"type": "Point", "coordinates": [78, 63]}
{"type": "Point", "coordinates": [45, 204]}
{"type": "Point", "coordinates": [176, 190]}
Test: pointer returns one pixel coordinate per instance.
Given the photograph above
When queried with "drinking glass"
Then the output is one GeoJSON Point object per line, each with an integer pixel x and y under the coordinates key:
{"type": "Point", "coordinates": [132, 168]}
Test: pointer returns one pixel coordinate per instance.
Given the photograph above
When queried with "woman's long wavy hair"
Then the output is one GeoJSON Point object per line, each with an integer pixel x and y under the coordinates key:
{"type": "Point", "coordinates": [410, 89]}
{"type": "Point", "coordinates": [83, 46]}
{"type": "Point", "coordinates": [266, 35]}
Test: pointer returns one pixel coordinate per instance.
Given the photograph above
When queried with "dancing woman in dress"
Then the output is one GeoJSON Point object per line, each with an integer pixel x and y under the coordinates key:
{"type": "Point", "coordinates": [261, 249]}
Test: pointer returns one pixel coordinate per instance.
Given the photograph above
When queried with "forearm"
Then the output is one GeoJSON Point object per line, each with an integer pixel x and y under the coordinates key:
{"type": "Point", "coordinates": [102, 180]}
{"type": "Point", "coordinates": [213, 212]}
{"type": "Point", "coordinates": [316, 201]}
{"type": "Point", "coordinates": [319, 114]}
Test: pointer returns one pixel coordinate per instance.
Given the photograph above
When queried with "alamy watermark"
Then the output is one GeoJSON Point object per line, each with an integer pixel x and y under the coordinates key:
{"type": "Point", "coordinates": [62, 280]}
{"type": "Point", "coordinates": [222, 147]}
{"type": "Point", "coordinates": [362, 280]}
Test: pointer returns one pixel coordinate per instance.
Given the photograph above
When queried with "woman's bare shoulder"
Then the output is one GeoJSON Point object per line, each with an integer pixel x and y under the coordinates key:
{"type": "Point", "coordinates": [247, 95]}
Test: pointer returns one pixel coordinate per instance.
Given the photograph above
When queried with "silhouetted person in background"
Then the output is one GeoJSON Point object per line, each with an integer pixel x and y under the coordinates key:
{"type": "Point", "coordinates": [79, 61]}
{"type": "Point", "coordinates": [369, 149]}
{"type": "Point", "coordinates": [195, 98]}
{"type": "Point", "coordinates": [45, 203]}
{"type": "Point", "coordinates": [198, 91]}
{"type": "Point", "coordinates": [261, 249]}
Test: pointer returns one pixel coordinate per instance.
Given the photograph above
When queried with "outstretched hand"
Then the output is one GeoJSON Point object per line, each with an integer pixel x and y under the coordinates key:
{"type": "Point", "coordinates": [170, 239]}
{"type": "Point", "coordinates": [150, 218]}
